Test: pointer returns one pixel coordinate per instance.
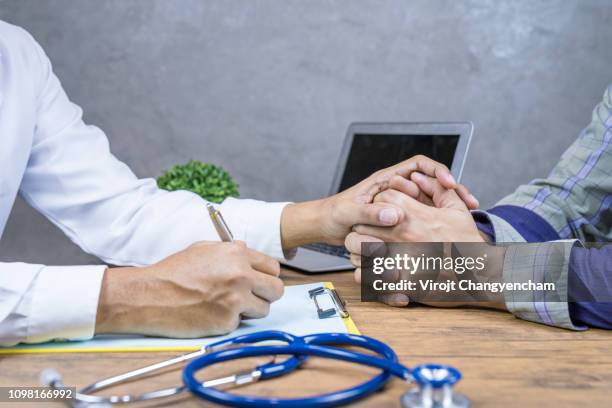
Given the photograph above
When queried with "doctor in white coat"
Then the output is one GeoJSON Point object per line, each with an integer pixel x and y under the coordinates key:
{"type": "Point", "coordinates": [178, 281]}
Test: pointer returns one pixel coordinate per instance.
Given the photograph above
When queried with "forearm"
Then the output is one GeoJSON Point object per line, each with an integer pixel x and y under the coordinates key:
{"type": "Point", "coordinates": [301, 223]}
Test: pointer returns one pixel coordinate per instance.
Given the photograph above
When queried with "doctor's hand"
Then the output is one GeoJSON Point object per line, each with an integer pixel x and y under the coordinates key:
{"type": "Point", "coordinates": [201, 291]}
{"type": "Point", "coordinates": [329, 220]}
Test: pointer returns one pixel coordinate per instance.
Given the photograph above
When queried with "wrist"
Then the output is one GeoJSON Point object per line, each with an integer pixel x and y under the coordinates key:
{"type": "Point", "coordinates": [301, 223]}
{"type": "Point", "coordinates": [115, 313]}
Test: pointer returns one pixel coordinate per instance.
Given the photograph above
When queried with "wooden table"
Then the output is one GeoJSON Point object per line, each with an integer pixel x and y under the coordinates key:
{"type": "Point", "coordinates": [505, 361]}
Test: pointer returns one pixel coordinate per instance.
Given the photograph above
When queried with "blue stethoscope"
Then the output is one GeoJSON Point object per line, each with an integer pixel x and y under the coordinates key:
{"type": "Point", "coordinates": [434, 382]}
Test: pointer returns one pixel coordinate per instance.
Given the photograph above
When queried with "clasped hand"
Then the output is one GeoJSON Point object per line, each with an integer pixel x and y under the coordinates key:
{"type": "Point", "coordinates": [430, 212]}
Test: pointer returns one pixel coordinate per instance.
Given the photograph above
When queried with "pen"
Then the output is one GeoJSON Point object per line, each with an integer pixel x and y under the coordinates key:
{"type": "Point", "coordinates": [222, 229]}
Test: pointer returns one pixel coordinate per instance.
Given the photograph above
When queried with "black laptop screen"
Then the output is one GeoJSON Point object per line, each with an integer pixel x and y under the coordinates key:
{"type": "Point", "coordinates": [370, 153]}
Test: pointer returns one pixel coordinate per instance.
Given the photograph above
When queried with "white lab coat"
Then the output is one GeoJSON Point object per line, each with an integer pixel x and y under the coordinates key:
{"type": "Point", "coordinates": [64, 169]}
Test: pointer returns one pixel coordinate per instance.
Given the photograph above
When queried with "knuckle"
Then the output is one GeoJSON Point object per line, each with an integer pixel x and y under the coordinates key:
{"type": "Point", "coordinates": [278, 289]}
{"type": "Point", "coordinates": [238, 246]}
{"type": "Point", "coordinates": [276, 267]}
{"type": "Point", "coordinates": [233, 301]}
{"type": "Point", "coordinates": [381, 180]}
{"type": "Point", "coordinates": [232, 323]}
{"type": "Point", "coordinates": [236, 275]}
{"type": "Point", "coordinates": [231, 248]}
{"type": "Point", "coordinates": [265, 309]}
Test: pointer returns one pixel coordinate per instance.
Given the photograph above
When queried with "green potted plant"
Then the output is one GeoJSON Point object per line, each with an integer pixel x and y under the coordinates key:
{"type": "Point", "coordinates": [211, 182]}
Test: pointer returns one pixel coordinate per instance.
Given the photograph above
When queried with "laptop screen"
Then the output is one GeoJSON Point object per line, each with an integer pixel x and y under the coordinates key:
{"type": "Point", "coordinates": [370, 153]}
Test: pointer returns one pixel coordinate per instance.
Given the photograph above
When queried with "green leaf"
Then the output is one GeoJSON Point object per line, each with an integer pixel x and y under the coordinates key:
{"type": "Point", "coordinates": [209, 181]}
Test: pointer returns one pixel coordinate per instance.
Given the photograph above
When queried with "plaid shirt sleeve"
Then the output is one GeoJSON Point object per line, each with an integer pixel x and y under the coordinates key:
{"type": "Point", "coordinates": [576, 197]}
{"type": "Point", "coordinates": [572, 204]}
{"type": "Point", "coordinates": [545, 262]}
{"type": "Point", "coordinates": [542, 262]}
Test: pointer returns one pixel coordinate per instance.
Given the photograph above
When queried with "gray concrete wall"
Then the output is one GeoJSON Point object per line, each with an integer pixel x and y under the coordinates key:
{"type": "Point", "coordinates": [267, 88]}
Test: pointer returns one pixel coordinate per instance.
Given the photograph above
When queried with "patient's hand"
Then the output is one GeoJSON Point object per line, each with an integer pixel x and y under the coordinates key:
{"type": "Point", "coordinates": [449, 220]}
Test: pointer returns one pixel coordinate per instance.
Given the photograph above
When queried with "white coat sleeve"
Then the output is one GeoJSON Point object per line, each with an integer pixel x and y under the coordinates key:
{"type": "Point", "coordinates": [95, 199]}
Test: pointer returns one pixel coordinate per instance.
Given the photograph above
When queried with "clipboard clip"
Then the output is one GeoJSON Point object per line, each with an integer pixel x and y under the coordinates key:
{"type": "Point", "coordinates": [339, 303]}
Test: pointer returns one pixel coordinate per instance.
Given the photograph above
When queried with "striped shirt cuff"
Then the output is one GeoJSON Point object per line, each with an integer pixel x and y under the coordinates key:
{"type": "Point", "coordinates": [503, 231]}
{"type": "Point", "coordinates": [540, 263]}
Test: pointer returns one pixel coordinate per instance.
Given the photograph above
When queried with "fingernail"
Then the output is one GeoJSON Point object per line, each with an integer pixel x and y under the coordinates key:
{"type": "Point", "coordinates": [388, 216]}
{"type": "Point", "coordinates": [452, 179]}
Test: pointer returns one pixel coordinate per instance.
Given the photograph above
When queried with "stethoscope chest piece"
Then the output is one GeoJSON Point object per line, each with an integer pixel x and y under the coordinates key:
{"type": "Point", "coordinates": [435, 388]}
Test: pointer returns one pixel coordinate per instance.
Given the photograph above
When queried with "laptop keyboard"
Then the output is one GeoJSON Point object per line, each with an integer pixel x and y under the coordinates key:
{"type": "Point", "coordinates": [334, 250]}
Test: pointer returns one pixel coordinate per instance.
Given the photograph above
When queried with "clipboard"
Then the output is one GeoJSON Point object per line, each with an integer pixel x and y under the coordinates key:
{"type": "Point", "coordinates": [297, 312]}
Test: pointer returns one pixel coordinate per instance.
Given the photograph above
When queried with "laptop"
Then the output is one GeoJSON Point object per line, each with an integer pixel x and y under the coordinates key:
{"type": "Point", "coordinates": [369, 147]}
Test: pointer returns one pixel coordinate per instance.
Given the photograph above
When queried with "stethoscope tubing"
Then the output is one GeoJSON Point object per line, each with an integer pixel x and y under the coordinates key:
{"type": "Point", "coordinates": [268, 370]}
{"type": "Point", "coordinates": [298, 349]}
{"type": "Point", "coordinates": [312, 346]}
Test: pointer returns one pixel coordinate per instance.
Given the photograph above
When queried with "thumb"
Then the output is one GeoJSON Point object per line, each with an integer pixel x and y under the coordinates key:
{"type": "Point", "coordinates": [377, 214]}
{"type": "Point", "coordinates": [441, 196]}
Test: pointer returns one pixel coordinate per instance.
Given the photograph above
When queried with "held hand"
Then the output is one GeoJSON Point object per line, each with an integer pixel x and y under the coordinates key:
{"type": "Point", "coordinates": [448, 221]}
{"type": "Point", "coordinates": [201, 291]}
{"type": "Point", "coordinates": [330, 220]}
{"type": "Point", "coordinates": [422, 189]}
{"type": "Point", "coordinates": [420, 225]}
